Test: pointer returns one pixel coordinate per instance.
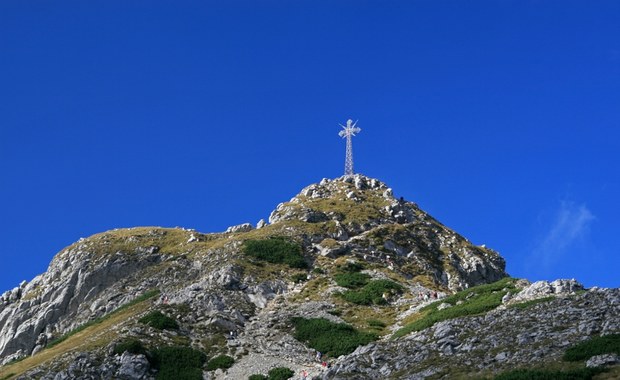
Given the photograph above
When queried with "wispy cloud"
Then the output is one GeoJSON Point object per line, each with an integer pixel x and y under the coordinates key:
{"type": "Point", "coordinates": [569, 226]}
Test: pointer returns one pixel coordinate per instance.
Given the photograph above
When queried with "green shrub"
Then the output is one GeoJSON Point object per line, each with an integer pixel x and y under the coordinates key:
{"type": "Point", "coordinates": [476, 300]}
{"type": "Point", "coordinates": [351, 280]}
{"type": "Point", "coordinates": [222, 361]}
{"type": "Point", "coordinates": [299, 277]}
{"type": "Point", "coordinates": [280, 373]}
{"type": "Point", "coordinates": [532, 374]}
{"type": "Point", "coordinates": [159, 321]}
{"type": "Point", "coordinates": [258, 377]}
{"type": "Point", "coordinates": [351, 267]}
{"type": "Point", "coordinates": [372, 292]}
{"type": "Point", "coordinates": [133, 346]}
{"type": "Point", "coordinates": [276, 251]}
{"type": "Point", "coordinates": [178, 363]}
{"type": "Point", "coordinates": [318, 270]}
{"type": "Point", "coordinates": [330, 338]}
{"type": "Point", "coordinates": [169, 373]}
{"type": "Point", "coordinates": [599, 345]}
{"type": "Point", "coordinates": [375, 323]}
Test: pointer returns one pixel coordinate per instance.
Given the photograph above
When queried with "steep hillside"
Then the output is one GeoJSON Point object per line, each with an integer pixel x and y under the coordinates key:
{"type": "Point", "coordinates": [377, 285]}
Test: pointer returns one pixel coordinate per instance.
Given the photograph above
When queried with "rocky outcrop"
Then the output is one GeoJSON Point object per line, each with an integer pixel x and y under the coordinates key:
{"type": "Point", "coordinates": [89, 366]}
{"type": "Point", "coordinates": [79, 285]}
{"type": "Point", "coordinates": [499, 340]}
{"type": "Point", "coordinates": [603, 360]}
{"type": "Point", "coordinates": [364, 218]}
{"type": "Point", "coordinates": [541, 289]}
{"type": "Point", "coordinates": [245, 227]}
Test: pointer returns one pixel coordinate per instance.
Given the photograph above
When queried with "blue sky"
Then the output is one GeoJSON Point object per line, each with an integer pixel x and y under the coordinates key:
{"type": "Point", "coordinates": [499, 118]}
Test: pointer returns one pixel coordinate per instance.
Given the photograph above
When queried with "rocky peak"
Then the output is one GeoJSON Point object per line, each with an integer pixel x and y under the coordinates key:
{"type": "Point", "coordinates": [357, 200]}
{"type": "Point", "coordinates": [360, 215]}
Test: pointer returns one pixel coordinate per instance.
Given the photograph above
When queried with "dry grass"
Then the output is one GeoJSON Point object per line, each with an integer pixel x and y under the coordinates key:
{"type": "Point", "coordinates": [93, 337]}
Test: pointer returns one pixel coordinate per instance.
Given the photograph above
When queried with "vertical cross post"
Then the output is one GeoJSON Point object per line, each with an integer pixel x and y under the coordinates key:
{"type": "Point", "coordinates": [349, 131]}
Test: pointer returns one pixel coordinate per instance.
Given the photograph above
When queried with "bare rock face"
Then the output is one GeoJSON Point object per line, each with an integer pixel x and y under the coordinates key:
{"type": "Point", "coordinates": [541, 289]}
{"type": "Point", "coordinates": [79, 285]}
{"type": "Point", "coordinates": [603, 360]}
{"type": "Point", "coordinates": [133, 367]}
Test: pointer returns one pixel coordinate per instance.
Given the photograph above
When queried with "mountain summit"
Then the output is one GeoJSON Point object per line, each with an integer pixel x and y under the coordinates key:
{"type": "Point", "coordinates": [345, 281]}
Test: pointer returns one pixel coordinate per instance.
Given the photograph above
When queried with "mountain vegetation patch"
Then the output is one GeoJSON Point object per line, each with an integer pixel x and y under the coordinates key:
{"type": "Point", "coordinates": [178, 363]}
{"type": "Point", "coordinates": [608, 344]}
{"type": "Point", "coordinates": [475, 300]}
{"type": "Point", "coordinates": [158, 320]}
{"type": "Point", "coordinates": [333, 339]}
{"type": "Point", "coordinates": [133, 346]}
{"type": "Point", "coordinates": [534, 374]}
{"type": "Point", "coordinates": [375, 292]}
{"type": "Point", "coordinates": [221, 361]}
{"type": "Point", "coordinates": [276, 250]}
{"type": "Point", "coordinates": [280, 373]}
{"type": "Point", "coordinates": [351, 280]}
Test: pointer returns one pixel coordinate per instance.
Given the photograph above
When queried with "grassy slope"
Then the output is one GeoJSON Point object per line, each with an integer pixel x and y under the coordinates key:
{"type": "Point", "coordinates": [94, 336]}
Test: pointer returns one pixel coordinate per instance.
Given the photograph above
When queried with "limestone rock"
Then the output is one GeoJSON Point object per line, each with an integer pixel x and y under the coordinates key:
{"type": "Point", "coordinates": [540, 289]}
{"type": "Point", "coordinates": [603, 360]}
{"type": "Point", "coordinates": [245, 227]}
{"type": "Point", "coordinates": [133, 367]}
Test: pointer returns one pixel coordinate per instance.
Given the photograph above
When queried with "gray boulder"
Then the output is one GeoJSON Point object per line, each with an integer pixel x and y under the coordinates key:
{"type": "Point", "coordinates": [245, 227]}
{"type": "Point", "coordinates": [133, 367]}
{"type": "Point", "coordinates": [603, 360]}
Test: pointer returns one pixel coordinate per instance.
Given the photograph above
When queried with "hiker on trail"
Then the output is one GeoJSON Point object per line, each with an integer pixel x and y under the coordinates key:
{"type": "Point", "coordinates": [304, 375]}
{"type": "Point", "coordinates": [318, 356]}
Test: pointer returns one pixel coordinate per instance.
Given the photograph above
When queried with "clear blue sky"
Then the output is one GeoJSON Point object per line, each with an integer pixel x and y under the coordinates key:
{"type": "Point", "coordinates": [499, 118]}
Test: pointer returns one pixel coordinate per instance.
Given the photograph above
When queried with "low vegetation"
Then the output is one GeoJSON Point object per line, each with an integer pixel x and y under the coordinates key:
{"type": "Point", "coordinates": [133, 346]}
{"type": "Point", "coordinates": [534, 374]}
{"type": "Point", "coordinates": [376, 292]}
{"type": "Point", "coordinates": [258, 376]}
{"type": "Point", "coordinates": [472, 301]}
{"type": "Point", "coordinates": [178, 363]}
{"type": "Point", "coordinates": [157, 320]}
{"type": "Point", "coordinates": [221, 361]}
{"type": "Point", "coordinates": [280, 373]}
{"type": "Point", "coordinates": [299, 278]}
{"type": "Point", "coordinates": [351, 280]}
{"type": "Point", "coordinates": [94, 336]}
{"type": "Point", "coordinates": [276, 250]}
{"type": "Point", "coordinates": [377, 324]}
{"type": "Point", "coordinates": [599, 345]}
{"type": "Point", "coordinates": [142, 298]}
{"type": "Point", "coordinates": [333, 339]}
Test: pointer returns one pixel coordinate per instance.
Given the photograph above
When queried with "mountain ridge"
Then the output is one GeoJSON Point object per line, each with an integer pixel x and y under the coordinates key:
{"type": "Point", "coordinates": [360, 256]}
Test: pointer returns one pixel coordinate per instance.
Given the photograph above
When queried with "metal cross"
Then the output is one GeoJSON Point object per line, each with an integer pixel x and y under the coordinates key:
{"type": "Point", "coordinates": [349, 131]}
